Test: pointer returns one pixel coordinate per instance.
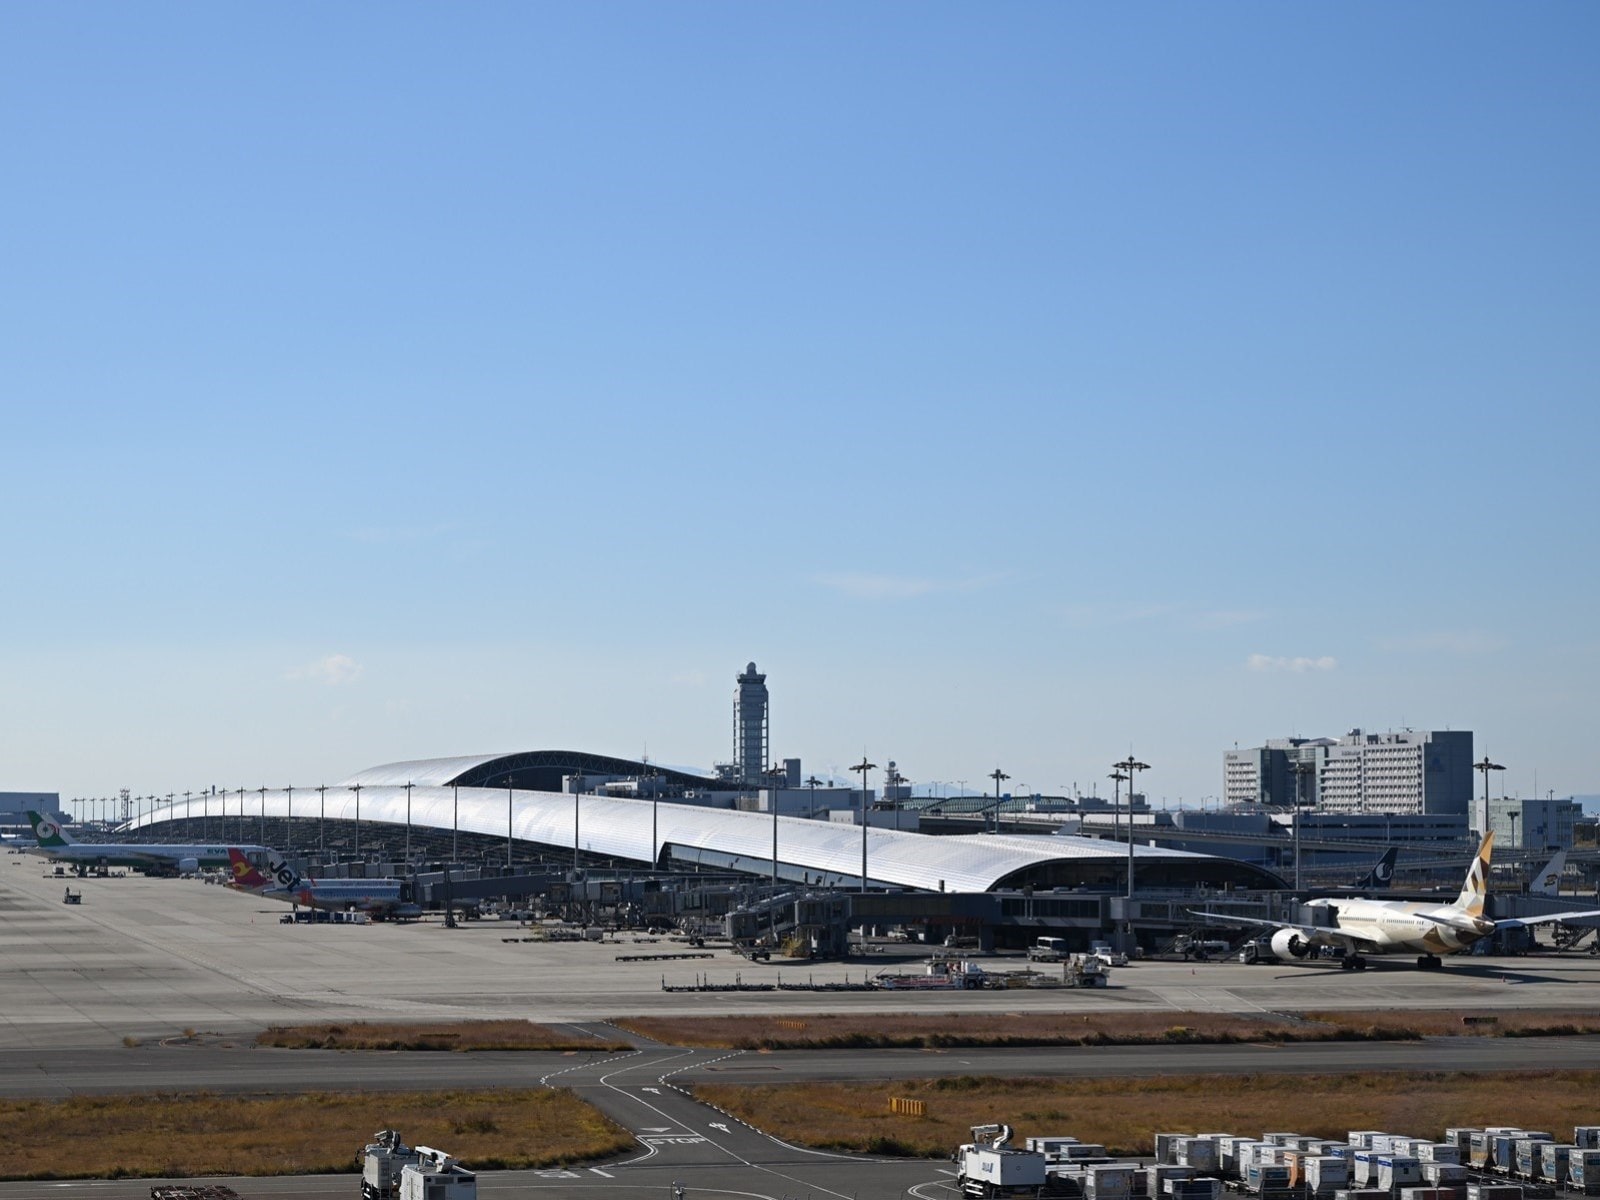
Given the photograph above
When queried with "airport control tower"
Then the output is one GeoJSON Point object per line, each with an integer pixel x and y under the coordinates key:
{"type": "Point", "coordinates": [750, 728]}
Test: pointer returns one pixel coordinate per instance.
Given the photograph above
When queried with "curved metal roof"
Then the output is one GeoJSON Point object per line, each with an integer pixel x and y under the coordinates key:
{"type": "Point", "coordinates": [809, 851]}
{"type": "Point", "coordinates": [538, 770]}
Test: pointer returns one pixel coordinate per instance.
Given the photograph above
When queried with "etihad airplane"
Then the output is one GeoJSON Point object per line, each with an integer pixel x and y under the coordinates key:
{"type": "Point", "coordinates": [378, 897]}
{"type": "Point", "coordinates": [83, 857]}
{"type": "Point", "coordinates": [1357, 925]}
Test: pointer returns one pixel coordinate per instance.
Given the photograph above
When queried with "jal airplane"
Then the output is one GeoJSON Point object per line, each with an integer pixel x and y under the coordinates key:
{"type": "Point", "coordinates": [378, 897]}
{"type": "Point", "coordinates": [180, 859]}
{"type": "Point", "coordinates": [1358, 925]}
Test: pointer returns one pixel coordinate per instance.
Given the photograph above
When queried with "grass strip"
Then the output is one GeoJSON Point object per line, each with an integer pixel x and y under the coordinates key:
{"type": "Point", "coordinates": [953, 1029]}
{"type": "Point", "coordinates": [423, 1035]}
{"type": "Point", "coordinates": [1124, 1114]}
{"type": "Point", "coordinates": [185, 1135]}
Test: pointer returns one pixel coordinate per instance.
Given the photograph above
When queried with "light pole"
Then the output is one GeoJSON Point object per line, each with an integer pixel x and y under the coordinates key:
{"type": "Point", "coordinates": [408, 825]}
{"type": "Point", "coordinates": [356, 788]}
{"type": "Point", "coordinates": [577, 813]}
{"type": "Point", "coordinates": [997, 775]}
{"type": "Point", "coordinates": [811, 810]}
{"type": "Point", "coordinates": [510, 819]}
{"type": "Point", "coordinates": [1486, 766]}
{"type": "Point", "coordinates": [241, 814]}
{"type": "Point", "coordinates": [288, 820]}
{"type": "Point", "coordinates": [455, 823]}
{"type": "Point", "coordinates": [653, 779]}
{"type": "Point", "coordinates": [1302, 769]}
{"type": "Point", "coordinates": [774, 774]}
{"type": "Point", "coordinates": [1131, 765]}
{"type": "Point", "coordinates": [322, 820]}
{"type": "Point", "coordinates": [1118, 779]}
{"type": "Point", "coordinates": [185, 809]}
{"type": "Point", "coordinates": [863, 767]}
{"type": "Point", "coordinates": [263, 792]}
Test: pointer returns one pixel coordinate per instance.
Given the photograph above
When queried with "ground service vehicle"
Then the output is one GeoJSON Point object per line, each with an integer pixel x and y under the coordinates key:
{"type": "Point", "coordinates": [986, 1167]}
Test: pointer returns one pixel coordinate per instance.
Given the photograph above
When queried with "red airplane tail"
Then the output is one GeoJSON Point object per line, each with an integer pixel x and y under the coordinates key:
{"type": "Point", "coordinates": [245, 873]}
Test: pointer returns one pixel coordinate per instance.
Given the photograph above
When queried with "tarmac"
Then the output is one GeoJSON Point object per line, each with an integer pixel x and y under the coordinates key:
{"type": "Point", "coordinates": [143, 959]}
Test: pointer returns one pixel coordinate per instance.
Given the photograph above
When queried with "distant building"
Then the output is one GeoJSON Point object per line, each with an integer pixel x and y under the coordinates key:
{"type": "Point", "coordinates": [1399, 774]}
{"type": "Point", "coordinates": [1533, 824]}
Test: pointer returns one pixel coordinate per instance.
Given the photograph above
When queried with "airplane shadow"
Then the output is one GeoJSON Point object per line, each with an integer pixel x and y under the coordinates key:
{"type": "Point", "coordinates": [1483, 972]}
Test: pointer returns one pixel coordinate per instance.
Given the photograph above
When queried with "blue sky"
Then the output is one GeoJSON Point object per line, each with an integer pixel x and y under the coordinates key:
{"type": "Point", "coordinates": [1019, 384]}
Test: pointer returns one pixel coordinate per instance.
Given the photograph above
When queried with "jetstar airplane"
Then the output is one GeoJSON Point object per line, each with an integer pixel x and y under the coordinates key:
{"type": "Point", "coordinates": [83, 857]}
{"type": "Point", "coordinates": [379, 897]}
{"type": "Point", "coordinates": [1358, 925]}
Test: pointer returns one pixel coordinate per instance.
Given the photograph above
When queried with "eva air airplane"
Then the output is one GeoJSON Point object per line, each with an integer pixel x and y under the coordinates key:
{"type": "Point", "coordinates": [83, 857]}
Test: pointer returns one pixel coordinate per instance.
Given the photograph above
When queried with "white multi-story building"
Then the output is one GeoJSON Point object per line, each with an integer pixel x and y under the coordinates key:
{"type": "Point", "coordinates": [1406, 773]}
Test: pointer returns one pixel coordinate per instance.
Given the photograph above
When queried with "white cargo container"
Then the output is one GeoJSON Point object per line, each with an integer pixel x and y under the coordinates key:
{"type": "Point", "coordinates": [1266, 1177]}
{"type": "Point", "coordinates": [1397, 1171]}
{"type": "Point", "coordinates": [1494, 1191]}
{"type": "Point", "coordinates": [1325, 1174]}
{"type": "Point", "coordinates": [1439, 1152]}
{"type": "Point", "coordinates": [1165, 1143]}
{"type": "Point", "coordinates": [1586, 1137]}
{"type": "Point", "coordinates": [1108, 1181]}
{"type": "Point", "coordinates": [1192, 1189]}
{"type": "Point", "coordinates": [1361, 1139]}
{"type": "Point", "coordinates": [437, 1176]}
{"type": "Point", "coordinates": [1438, 1174]}
{"type": "Point", "coordinates": [1053, 1148]}
{"type": "Point", "coordinates": [1461, 1135]}
{"type": "Point", "coordinates": [1553, 1162]}
{"type": "Point", "coordinates": [1529, 1157]}
{"type": "Point", "coordinates": [1364, 1168]}
{"type": "Point", "coordinates": [1583, 1170]}
{"type": "Point", "coordinates": [1197, 1152]}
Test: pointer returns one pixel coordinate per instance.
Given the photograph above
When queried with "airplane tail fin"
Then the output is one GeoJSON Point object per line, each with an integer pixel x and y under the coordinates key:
{"type": "Point", "coordinates": [1382, 873]}
{"type": "Point", "coordinates": [245, 873]}
{"type": "Point", "coordinates": [283, 875]}
{"type": "Point", "coordinates": [1548, 881]}
{"type": "Point", "coordinates": [46, 832]}
{"type": "Point", "coordinates": [1476, 887]}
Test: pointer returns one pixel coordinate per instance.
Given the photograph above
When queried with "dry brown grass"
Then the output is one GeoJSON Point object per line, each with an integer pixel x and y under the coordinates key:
{"type": "Point", "coordinates": [1084, 1029]}
{"type": "Point", "coordinates": [1124, 1114]}
{"type": "Point", "coordinates": [423, 1035]}
{"type": "Point", "coordinates": [206, 1134]}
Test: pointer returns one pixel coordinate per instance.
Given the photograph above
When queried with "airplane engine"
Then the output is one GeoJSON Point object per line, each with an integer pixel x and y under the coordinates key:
{"type": "Point", "coordinates": [1286, 943]}
{"type": "Point", "coordinates": [188, 866]}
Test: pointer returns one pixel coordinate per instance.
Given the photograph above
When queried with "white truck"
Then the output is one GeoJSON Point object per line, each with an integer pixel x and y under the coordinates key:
{"type": "Point", "coordinates": [382, 1161]}
{"type": "Point", "coordinates": [1112, 957]}
{"type": "Point", "coordinates": [437, 1176]}
{"type": "Point", "coordinates": [986, 1167]}
{"type": "Point", "coordinates": [1048, 949]}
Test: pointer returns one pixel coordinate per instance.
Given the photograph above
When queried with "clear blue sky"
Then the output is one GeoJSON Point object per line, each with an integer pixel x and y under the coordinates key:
{"type": "Point", "coordinates": [1019, 384]}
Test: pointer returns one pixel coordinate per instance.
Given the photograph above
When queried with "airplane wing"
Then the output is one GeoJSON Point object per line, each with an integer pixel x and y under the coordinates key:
{"type": "Point", "coordinates": [1309, 932]}
{"type": "Point", "coordinates": [1546, 919]}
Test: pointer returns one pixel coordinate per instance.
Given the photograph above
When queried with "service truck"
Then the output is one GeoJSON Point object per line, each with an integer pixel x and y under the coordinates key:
{"type": "Point", "coordinates": [986, 1167]}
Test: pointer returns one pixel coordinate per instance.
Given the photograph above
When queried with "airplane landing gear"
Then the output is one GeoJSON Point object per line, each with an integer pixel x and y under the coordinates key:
{"type": "Point", "coordinates": [1352, 962]}
{"type": "Point", "coordinates": [1430, 962]}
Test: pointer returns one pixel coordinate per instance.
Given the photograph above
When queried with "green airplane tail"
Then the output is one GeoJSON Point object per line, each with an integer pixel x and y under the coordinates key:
{"type": "Point", "coordinates": [47, 832]}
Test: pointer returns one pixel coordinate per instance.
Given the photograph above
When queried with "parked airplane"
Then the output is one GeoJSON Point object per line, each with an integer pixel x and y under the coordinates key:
{"type": "Point", "coordinates": [1382, 873]}
{"type": "Point", "coordinates": [1358, 925]}
{"type": "Point", "coordinates": [379, 897]}
{"type": "Point", "coordinates": [179, 859]}
{"type": "Point", "coordinates": [1548, 881]}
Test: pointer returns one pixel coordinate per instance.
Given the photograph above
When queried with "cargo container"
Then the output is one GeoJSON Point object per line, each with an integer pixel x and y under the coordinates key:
{"type": "Point", "coordinates": [1553, 1162]}
{"type": "Point", "coordinates": [1265, 1177]}
{"type": "Point", "coordinates": [1197, 1152]}
{"type": "Point", "coordinates": [1586, 1137]}
{"type": "Point", "coordinates": [1529, 1157]}
{"type": "Point", "coordinates": [1397, 1171]}
{"type": "Point", "coordinates": [1362, 1194]}
{"type": "Point", "coordinates": [1583, 1171]}
{"type": "Point", "coordinates": [1439, 1152]}
{"type": "Point", "coordinates": [1364, 1168]}
{"type": "Point", "coordinates": [1494, 1191]}
{"type": "Point", "coordinates": [1108, 1181]}
{"type": "Point", "coordinates": [1461, 1135]}
{"type": "Point", "coordinates": [1325, 1174]}
{"type": "Point", "coordinates": [1052, 1147]}
{"type": "Point", "coordinates": [1077, 1151]}
{"type": "Point", "coordinates": [1361, 1139]}
{"type": "Point", "coordinates": [1164, 1145]}
{"type": "Point", "coordinates": [1158, 1173]}
{"type": "Point", "coordinates": [1480, 1150]}
{"type": "Point", "coordinates": [1192, 1189]}
{"type": "Point", "coordinates": [1438, 1174]}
